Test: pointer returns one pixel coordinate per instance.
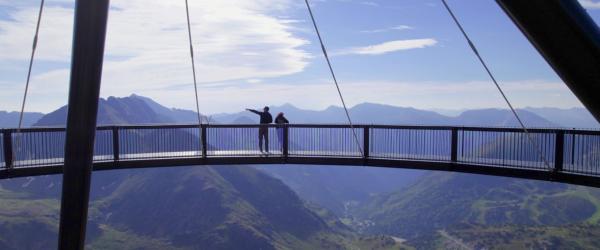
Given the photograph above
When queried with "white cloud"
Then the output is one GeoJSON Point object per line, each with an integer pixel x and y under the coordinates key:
{"type": "Point", "coordinates": [254, 80]}
{"type": "Point", "coordinates": [395, 28]}
{"type": "Point", "coordinates": [589, 4]}
{"type": "Point", "coordinates": [388, 47]}
{"type": "Point", "coordinates": [369, 3]}
{"type": "Point", "coordinates": [16, 34]}
{"type": "Point", "coordinates": [247, 42]}
{"type": "Point", "coordinates": [147, 45]}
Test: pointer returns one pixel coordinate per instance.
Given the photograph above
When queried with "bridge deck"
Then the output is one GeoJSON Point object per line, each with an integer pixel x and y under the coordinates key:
{"type": "Point", "coordinates": [570, 156]}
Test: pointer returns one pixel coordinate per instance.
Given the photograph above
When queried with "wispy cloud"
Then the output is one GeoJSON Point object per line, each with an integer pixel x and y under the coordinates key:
{"type": "Point", "coordinates": [589, 4]}
{"type": "Point", "coordinates": [254, 80]}
{"type": "Point", "coordinates": [388, 47]}
{"type": "Point", "coordinates": [395, 28]}
{"type": "Point", "coordinates": [369, 3]}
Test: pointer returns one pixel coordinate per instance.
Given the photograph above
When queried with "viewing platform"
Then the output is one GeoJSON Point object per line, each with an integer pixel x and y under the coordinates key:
{"type": "Point", "coordinates": [569, 156]}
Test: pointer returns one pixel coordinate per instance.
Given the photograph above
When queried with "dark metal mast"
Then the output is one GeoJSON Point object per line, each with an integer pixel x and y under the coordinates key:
{"type": "Point", "coordinates": [568, 38]}
{"type": "Point", "coordinates": [86, 73]}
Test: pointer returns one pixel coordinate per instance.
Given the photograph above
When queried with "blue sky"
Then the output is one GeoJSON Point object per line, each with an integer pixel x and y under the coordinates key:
{"type": "Point", "coordinates": [256, 52]}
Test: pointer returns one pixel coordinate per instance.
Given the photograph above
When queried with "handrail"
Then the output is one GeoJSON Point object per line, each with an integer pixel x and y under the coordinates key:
{"type": "Point", "coordinates": [324, 125]}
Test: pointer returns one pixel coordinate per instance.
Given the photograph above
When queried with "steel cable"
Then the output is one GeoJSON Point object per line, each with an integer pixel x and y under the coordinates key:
{"type": "Point", "coordinates": [334, 77]}
{"type": "Point", "coordinates": [489, 73]}
{"type": "Point", "coordinates": [189, 28]}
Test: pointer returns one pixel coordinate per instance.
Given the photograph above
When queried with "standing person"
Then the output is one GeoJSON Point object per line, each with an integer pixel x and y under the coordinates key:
{"type": "Point", "coordinates": [280, 120]}
{"type": "Point", "coordinates": [263, 131]}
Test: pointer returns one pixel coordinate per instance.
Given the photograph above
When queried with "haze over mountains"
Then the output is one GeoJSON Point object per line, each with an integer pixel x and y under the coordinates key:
{"type": "Point", "coordinates": [11, 119]}
{"type": "Point", "coordinates": [281, 206]}
{"type": "Point", "coordinates": [370, 113]}
{"type": "Point", "coordinates": [312, 182]}
{"type": "Point", "coordinates": [136, 109]}
{"type": "Point", "coordinates": [228, 207]}
{"type": "Point", "coordinates": [570, 118]}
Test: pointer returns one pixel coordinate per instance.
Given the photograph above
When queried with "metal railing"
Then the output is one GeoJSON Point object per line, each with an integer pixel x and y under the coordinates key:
{"type": "Point", "coordinates": [567, 151]}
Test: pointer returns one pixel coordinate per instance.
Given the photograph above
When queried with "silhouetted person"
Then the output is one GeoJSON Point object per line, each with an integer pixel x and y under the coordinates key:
{"type": "Point", "coordinates": [280, 120]}
{"type": "Point", "coordinates": [263, 131]}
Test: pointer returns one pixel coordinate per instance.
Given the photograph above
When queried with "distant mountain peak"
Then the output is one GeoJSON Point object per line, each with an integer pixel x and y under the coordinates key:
{"type": "Point", "coordinates": [288, 105]}
{"type": "Point", "coordinates": [137, 109]}
{"type": "Point", "coordinates": [11, 119]}
{"type": "Point", "coordinates": [332, 107]}
{"type": "Point", "coordinates": [133, 109]}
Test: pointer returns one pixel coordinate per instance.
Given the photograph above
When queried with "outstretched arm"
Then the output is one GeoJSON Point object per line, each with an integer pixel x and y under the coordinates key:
{"type": "Point", "coordinates": [254, 111]}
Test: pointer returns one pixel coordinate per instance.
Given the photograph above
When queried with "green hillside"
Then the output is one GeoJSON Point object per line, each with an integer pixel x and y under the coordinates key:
{"type": "Point", "coordinates": [579, 236]}
{"type": "Point", "coordinates": [228, 207]}
{"type": "Point", "coordinates": [441, 201]}
{"type": "Point", "coordinates": [27, 223]}
{"type": "Point", "coordinates": [184, 208]}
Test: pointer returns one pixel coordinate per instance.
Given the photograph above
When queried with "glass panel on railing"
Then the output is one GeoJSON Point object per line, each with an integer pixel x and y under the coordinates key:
{"type": "Point", "coordinates": [147, 143]}
{"type": "Point", "coordinates": [244, 141]}
{"type": "Point", "coordinates": [507, 148]}
{"type": "Point", "coordinates": [38, 148]}
{"type": "Point", "coordinates": [582, 153]}
{"type": "Point", "coordinates": [416, 144]}
{"type": "Point", "coordinates": [325, 141]}
{"type": "Point", "coordinates": [103, 145]}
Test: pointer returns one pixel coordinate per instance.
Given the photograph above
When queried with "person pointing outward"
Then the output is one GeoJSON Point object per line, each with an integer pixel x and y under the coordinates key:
{"type": "Point", "coordinates": [263, 131]}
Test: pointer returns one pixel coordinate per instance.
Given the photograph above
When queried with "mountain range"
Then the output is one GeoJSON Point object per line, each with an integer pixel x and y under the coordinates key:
{"type": "Point", "coordinates": [126, 110]}
{"type": "Point", "coordinates": [461, 203]}
{"type": "Point", "coordinates": [570, 118]}
{"type": "Point", "coordinates": [136, 109]}
{"type": "Point", "coordinates": [11, 119]}
{"type": "Point", "coordinates": [370, 113]}
{"type": "Point", "coordinates": [228, 207]}
{"type": "Point", "coordinates": [341, 188]}
{"type": "Point", "coordinates": [287, 206]}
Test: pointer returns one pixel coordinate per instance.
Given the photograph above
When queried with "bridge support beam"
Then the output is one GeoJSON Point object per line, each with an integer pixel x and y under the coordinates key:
{"type": "Point", "coordinates": [115, 141]}
{"type": "Point", "coordinates": [86, 72]}
{"type": "Point", "coordinates": [286, 141]}
{"type": "Point", "coordinates": [454, 145]}
{"type": "Point", "coordinates": [8, 148]}
{"type": "Point", "coordinates": [559, 148]}
{"type": "Point", "coordinates": [366, 142]}
{"type": "Point", "coordinates": [204, 140]}
{"type": "Point", "coordinates": [568, 38]}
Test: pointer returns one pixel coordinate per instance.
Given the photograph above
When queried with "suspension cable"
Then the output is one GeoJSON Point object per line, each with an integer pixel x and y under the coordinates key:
{"type": "Point", "coordinates": [26, 91]}
{"type": "Point", "coordinates": [484, 64]}
{"type": "Point", "coordinates": [189, 28]}
{"type": "Point", "coordinates": [33, 49]}
{"type": "Point", "coordinates": [334, 78]}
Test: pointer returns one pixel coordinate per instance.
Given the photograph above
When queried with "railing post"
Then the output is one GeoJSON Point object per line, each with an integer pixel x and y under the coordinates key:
{"type": "Point", "coordinates": [203, 139]}
{"type": "Point", "coordinates": [286, 141]}
{"type": "Point", "coordinates": [366, 142]}
{"type": "Point", "coordinates": [8, 148]}
{"type": "Point", "coordinates": [115, 141]}
{"type": "Point", "coordinates": [559, 147]}
{"type": "Point", "coordinates": [454, 145]}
